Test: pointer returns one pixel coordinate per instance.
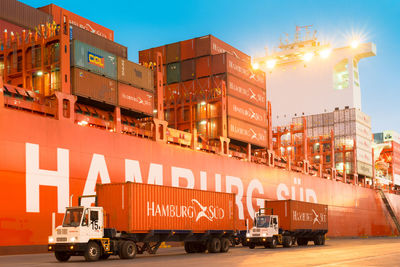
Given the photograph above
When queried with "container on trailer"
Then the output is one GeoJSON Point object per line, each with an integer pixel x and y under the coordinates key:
{"type": "Point", "coordinates": [135, 99]}
{"type": "Point", "coordinates": [135, 74]}
{"type": "Point", "coordinates": [93, 59]}
{"type": "Point", "coordinates": [95, 40]}
{"type": "Point", "coordinates": [90, 85]}
{"type": "Point", "coordinates": [23, 15]}
{"type": "Point", "coordinates": [188, 70]}
{"type": "Point", "coordinates": [210, 45]}
{"type": "Point", "coordinates": [140, 208]}
{"type": "Point", "coordinates": [173, 53]}
{"type": "Point", "coordinates": [298, 215]}
{"type": "Point", "coordinates": [188, 49]}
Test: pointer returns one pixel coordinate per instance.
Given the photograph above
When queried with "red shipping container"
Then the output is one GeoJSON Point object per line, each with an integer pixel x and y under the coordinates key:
{"type": "Point", "coordinates": [135, 99]}
{"type": "Point", "coordinates": [93, 86]}
{"type": "Point", "coordinates": [5, 25]}
{"type": "Point", "coordinates": [245, 132]}
{"type": "Point", "coordinates": [203, 66]}
{"type": "Point", "coordinates": [225, 63]}
{"type": "Point", "coordinates": [210, 45]}
{"type": "Point", "coordinates": [150, 55]}
{"type": "Point", "coordinates": [173, 53]}
{"type": "Point", "coordinates": [140, 208]}
{"type": "Point", "coordinates": [187, 49]}
{"type": "Point", "coordinates": [298, 215]}
{"type": "Point", "coordinates": [241, 110]}
{"type": "Point", "coordinates": [77, 20]}
{"type": "Point", "coordinates": [245, 91]}
{"type": "Point", "coordinates": [188, 70]}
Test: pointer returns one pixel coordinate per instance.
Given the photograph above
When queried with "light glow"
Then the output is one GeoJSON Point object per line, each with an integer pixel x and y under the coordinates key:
{"type": "Point", "coordinates": [256, 66]}
{"type": "Point", "coordinates": [83, 123]}
{"type": "Point", "coordinates": [355, 43]}
{"type": "Point", "coordinates": [203, 122]}
{"type": "Point", "coordinates": [39, 73]}
{"type": "Point", "coordinates": [203, 103]}
{"type": "Point", "coordinates": [325, 53]}
{"type": "Point", "coordinates": [308, 56]}
{"type": "Point", "coordinates": [271, 63]}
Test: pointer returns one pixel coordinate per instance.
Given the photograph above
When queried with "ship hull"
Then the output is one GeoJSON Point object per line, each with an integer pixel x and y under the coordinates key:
{"type": "Point", "coordinates": [45, 161]}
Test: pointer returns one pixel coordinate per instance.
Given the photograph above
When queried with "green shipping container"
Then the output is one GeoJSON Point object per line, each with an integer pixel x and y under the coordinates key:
{"type": "Point", "coordinates": [173, 73]}
{"type": "Point", "coordinates": [93, 59]}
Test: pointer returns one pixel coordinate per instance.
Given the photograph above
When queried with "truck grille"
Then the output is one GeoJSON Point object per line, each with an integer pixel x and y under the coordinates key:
{"type": "Point", "coordinates": [256, 234]}
{"type": "Point", "coordinates": [61, 239]}
{"type": "Point", "coordinates": [62, 231]}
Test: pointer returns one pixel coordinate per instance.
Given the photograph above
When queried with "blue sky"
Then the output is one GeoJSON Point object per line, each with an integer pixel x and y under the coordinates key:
{"type": "Point", "coordinates": [252, 25]}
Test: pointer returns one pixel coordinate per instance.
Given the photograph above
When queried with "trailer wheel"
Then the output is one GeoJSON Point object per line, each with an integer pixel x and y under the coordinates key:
{"type": "Point", "coordinates": [273, 242]}
{"type": "Point", "coordinates": [214, 245]}
{"type": "Point", "coordinates": [302, 241]}
{"type": "Point", "coordinates": [62, 256]}
{"type": "Point", "coordinates": [189, 248]}
{"type": "Point", "coordinates": [128, 250]}
{"type": "Point", "coordinates": [287, 241]}
{"type": "Point", "coordinates": [319, 240]}
{"type": "Point", "coordinates": [92, 252]}
{"type": "Point", "coordinates": [225, 244]}
{"type": "Point", "coordinates": [252, 245]}
{"type": "Point", "coordinates": [323, 240]}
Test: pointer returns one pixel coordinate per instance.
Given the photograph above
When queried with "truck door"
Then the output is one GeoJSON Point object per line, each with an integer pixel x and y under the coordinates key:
{"type": "Point", "coordinates": [92, 224]}
{"type": "Point", "coordinates": [274, 224]}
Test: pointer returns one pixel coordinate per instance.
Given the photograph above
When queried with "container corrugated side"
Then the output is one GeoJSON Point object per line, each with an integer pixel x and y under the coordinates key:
{"type": "Point", "coordinates": [135, 74]}
{"type": "Point", "coordinates": [188, 49]}
{"type": "Point", "coordinates": [364, 168]}
{"type": "Point", "coordinates": [203, 67]}
{"type": "Point", "coordinates": [93, 86]}
{"type": "Point", "coordinates": [10, 27]}
{"type": "Point", "coordinates": [246, 132]}
{"type": "Point", "coordinates": [93, 59]}
{"type": "Point", "coordinates": [173, 53]}
{"type": "Point", "coordinates": [188, 70]}
{"type": "Point", "coordinates": [140, 208]}
{"type": "Point", "coordinates": [150, 55]}
{"type": "Point", "coordinates": [135, 99]}
{"type": "Point", "coordinates": [95, 40]}
{"type": "Point", "coordinates": [247, 112]}
{"type": "Point", "coordinates": [298, 215]}
{"type": "Point", "coordinates": [210, 45]}
{"type": "Point", "coordinates": [173, 73]}
{"type": "Point", "coordinates": [23, 15]}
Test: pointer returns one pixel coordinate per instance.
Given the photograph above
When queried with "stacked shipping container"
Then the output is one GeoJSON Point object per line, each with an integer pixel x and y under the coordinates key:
{"type": "Point", "coordinates": [195, 71]}
{"type": "Point", "coordinates": [349, 126]}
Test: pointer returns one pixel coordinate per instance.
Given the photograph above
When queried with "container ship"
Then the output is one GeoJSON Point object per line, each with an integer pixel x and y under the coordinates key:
{"type": "Point", "coordinates": [74, 112]}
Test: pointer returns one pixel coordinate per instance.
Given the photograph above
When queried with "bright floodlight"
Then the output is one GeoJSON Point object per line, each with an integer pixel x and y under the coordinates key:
{"type": "Point", "coordinates": [325, 53]}
{"type": "Point", "coordinates": [271, 63]}
{"type": "Point", "coordinates": [39, 73]}
{"type": "Point", "coordinates": [355, 43]}
{"type": "Point", "coordinates": [308, 56]}
{"type": "Point", "coordinates": [256, 66]}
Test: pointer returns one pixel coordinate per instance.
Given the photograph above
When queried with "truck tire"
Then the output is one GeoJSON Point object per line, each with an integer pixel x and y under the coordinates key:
{"type": "Point", "coordinates": [128, 250]}
{"type": "Point", "coordinates": [92, 252]}
{"type": "Point", "coordinates": [252, 245]}
{"type": "Point", "coordinates": [302, 241]}
{"type": "Point", "coordinates": [319, 240]}
{"type": "Point", "coordinates": [287, 241]}
{"type": "Point", "coordinates": [273, 242]}
{"type": "Point", "coordinates": [225, 245]}
{"type": "Point", "coordinates": [62, 256]}
{"type": "Point", "coordinates": [214, 245]}
{"type": "Point", "coordinates": [323, 240]}
{"type": "Point", "coordinates": [189, 247]}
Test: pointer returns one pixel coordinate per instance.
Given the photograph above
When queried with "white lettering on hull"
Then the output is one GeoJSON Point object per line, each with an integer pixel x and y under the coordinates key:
{"type": "Point", "coordinates": [36, 177]}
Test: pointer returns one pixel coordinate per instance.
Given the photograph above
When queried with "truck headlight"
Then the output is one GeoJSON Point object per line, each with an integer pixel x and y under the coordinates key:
{"type": "Point", "coordinates": [248, 235]}
{"type": "Point", "coordinates": [72, 239]}
{"type": "Point", "coordinates": [51, 239]}
{"type": "Point", "coordinates": [264, 234]}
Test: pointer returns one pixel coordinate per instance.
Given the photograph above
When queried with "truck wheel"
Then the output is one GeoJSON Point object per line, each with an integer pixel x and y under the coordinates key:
{"type": "Point", "coordinates": [323, 240]}
{"type": "Point", "coordinates": [319, 240]}
{"type": "Point", "coordinates": [302, 241]}
{"type": "Point", "coordinates": [287, 241]}
{"type": "Point", "coordinates": [62, 256]}
{"type": "Point", "coordinates": [214, 245]}
{"type": "Point", "coordinates": [273, 243]}
{"type": "Point", "coordinates": [252, 245]}
{"type": "Point", "coordinates": [225, 244]}
{"type": "Point", "coordinates": [189, 248]}
{"type": "Point", "coordinates": [92, 252]}
{"type": "Point", "coordinates": [128, 250]}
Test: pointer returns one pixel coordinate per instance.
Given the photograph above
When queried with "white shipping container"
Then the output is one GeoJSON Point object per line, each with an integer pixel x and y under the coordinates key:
{"type": "Point", "coordinates": [364, 156]}
{"type": "Point", "coordinates": [347, 115]}
{"type": "Point", "coordinates": [363, 143]}
{"type": "Point", "coordinates": [362, 118]}
{"type": "Point", "coordinates": [363, 131]}
{"type": "Point", "coordinates": [336, 116]}
{"type": "Point", "coordinates": [310, 132]}
{"type": "Point", "coordinates": [364, 169]}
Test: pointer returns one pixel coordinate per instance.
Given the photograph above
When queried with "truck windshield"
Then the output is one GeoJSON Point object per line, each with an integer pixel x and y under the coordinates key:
{"type": "Point", "coordinates": [72, 217]}
{"type": "Point", "coordinates": [263, 221]}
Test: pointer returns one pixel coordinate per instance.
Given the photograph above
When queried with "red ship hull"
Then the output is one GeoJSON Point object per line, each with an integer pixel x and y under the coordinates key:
{"type": "Point", "coordinates": [45, 161]}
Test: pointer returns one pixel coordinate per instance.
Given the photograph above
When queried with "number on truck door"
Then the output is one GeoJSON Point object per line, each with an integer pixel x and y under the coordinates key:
{"type": "Point", "coordinates": [94, 219]}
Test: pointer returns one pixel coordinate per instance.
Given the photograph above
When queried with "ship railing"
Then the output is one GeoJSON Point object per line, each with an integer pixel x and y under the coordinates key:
{"type": "Point", "coordinates": [178, 137]}
{"type": "Point", "coordinates": [22, 99]}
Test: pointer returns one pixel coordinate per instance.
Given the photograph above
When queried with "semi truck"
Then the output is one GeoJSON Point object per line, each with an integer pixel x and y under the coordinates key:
{"type": "Point", "coordinates": [287, 222]}
{"type": "Point", "coordinates": [131, 218]}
